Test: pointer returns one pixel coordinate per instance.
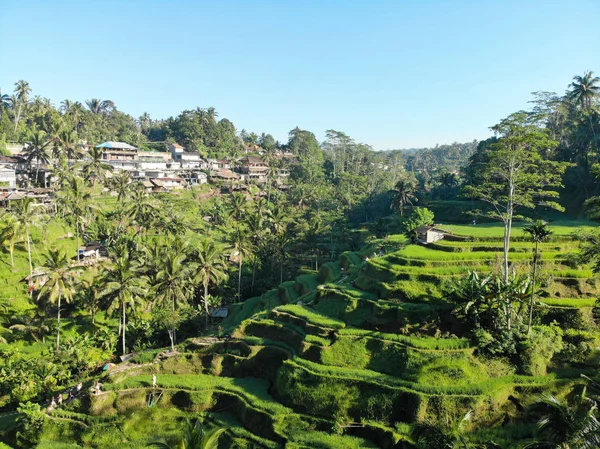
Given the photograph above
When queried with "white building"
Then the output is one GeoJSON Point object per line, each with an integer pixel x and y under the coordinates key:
{"type": "Point", "coordinates": [8, 176]}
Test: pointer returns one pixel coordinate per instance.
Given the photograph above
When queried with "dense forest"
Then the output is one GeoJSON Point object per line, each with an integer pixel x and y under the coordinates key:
{"type": "Point", "coordinates": [328, 313]}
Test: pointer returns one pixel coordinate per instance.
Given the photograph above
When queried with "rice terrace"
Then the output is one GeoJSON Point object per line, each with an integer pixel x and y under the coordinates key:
{"type": "Point", "coordinates": [170, 279]}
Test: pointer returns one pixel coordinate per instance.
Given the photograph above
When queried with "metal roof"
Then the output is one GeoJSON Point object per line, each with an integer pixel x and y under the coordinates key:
{"type": "Point", "coordinates": [116, 146]}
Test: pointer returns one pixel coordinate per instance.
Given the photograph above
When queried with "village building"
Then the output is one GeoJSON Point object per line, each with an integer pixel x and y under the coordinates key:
{"type": "Point", "coordinates": [118, 151]}
{"type": "Point", "coordinates": [213, 164]}
{"type": "Point", "coordinates": [8, 176]}
{"type": "Point", "coordinates": [254, 168]}
{"type": "Point", "coordinates": [194, 177]}
{"type": "Point", "coordinates": [224, 175]}
{"type": "Point", "coordinates": [429, 234]}
{"type": "Point", "coordinates": [170, 183]}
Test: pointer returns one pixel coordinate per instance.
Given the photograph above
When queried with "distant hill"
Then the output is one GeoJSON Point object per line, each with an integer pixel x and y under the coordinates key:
{"type": "Point", "coordinates": [441, 158]}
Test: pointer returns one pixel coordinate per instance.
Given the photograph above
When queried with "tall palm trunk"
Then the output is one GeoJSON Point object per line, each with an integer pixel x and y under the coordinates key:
{"type": "Point", "coordinates": [253, 272]}
{"type": "Point", "coordinates": [77, 237]}
{"type": "Point", "coordinates": [240, 278]}
{"type": "Point", "coordinates": [30, 264]}
{"type": "Point", "coordinates": [535, 259]}
{"type": "Point", "coordinates": [18, 116]}
{"type": "Point", "coordinates": [11, 250]}
{"type": "Point", "coordinates": [123, 325]}
{"type": "Point", "coordinates": [206, 301]}
{"type": "Point", "coordinates": [58, 325]}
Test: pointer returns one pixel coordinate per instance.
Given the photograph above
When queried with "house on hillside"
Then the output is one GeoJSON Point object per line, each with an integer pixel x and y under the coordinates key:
{"type": "Point", "coordinates": [8, 176]}
{"type": "Point", "coordinates": [171, 183]}
{"type": "Point", "coordinates": [429, 234]}
{"type": "Point", "coordinates": [224, 175]}
{"type": "Point", "coordinates": [118, 151]}
{"type": "Point", "coordinates": [254, 168]}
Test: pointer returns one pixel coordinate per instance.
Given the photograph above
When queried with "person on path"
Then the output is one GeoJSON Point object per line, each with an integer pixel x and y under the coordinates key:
{"type": "Point", "coordinates": [79, 387]}
{"type": "Point", "coordinates": [71, 397]}
{"type": "Point", "coordinates": [60, 399]}
{"type": "Point", "coordinates": [52, 403]}
{"type": "Point", "coordinates": [153, 380]}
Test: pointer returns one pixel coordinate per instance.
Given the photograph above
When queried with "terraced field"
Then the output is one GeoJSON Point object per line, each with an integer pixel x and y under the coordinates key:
{"type": "Point", "coordinates": [349, 357]}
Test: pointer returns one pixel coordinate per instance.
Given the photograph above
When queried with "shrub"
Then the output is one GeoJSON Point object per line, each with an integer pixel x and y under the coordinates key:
{"type": "Point", "coordinates": [420, 216]}
{"type": "Point", "coordinates": [536, 351]}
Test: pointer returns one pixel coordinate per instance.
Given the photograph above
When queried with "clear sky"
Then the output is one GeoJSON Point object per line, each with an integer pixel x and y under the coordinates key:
{"type": "Point", "coordinates": [393, 74]}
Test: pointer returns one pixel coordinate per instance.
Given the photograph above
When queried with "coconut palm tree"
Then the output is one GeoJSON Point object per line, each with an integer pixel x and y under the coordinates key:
{"type": "Point", "coordinates": [123, 286]}
{"type": "Point", "coordinates": [404, 193]}
{"type": "Point", "coordinates": [9, 235]}
{"type": "Point", "coordinates": [78, 201]}
{"type": "Point", "coordinates": [539, 233]}
{"type": "Point", "coordinates": [4, 102]}
{"type": "Point", "coordinates": [282, 243]}
{"type": "Point", "coordinates": [37, 148]}
{"type": "Point", "coordinates": [237, 205]}
{"type": "Point", "coordinates": [97, 106]}
{"type": "Point", "coordinates": [120, 183]}
{"type": "Point", "coordinates": [564, 427]}
{"type": "Point", "coordinates": [211, 267]}
{"type": "Point", "coordinates": [89, 296]}
{"type": "Point", "coordinates": [95, 168]}
{"type": "Point", "coordinates": [22, 91]}
{"type": "Point", "coordinates": [69, 142]}
{"type": "Point", "coordinates": [239, 240]}
{"type": "Point", "coordinates": [173, 283]}
{"type": "Point", "coordinates": [27, 215]}
{"type": "Point", "coordinates": [584, 89]}
{"type": "Point", "coordinates": [60, 284]}
{"type": "Point", "coordinates": [195, 437]}
{"type": "Point", "coordinates": [141, 209]}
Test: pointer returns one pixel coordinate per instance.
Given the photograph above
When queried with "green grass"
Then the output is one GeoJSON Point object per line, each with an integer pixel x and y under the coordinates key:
{"type": "Point", "coordinates": [559, 228]}
{"type": "Point", "coordinates": [422, 253]}
{"type": "Point", "coordinates": [312, 316]}
{"type": "Point", "coordinates": [417, 342]}
{"type": "Point", "coordinates": [569, 302]}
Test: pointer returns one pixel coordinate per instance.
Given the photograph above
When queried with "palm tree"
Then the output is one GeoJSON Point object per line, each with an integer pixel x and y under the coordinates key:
{"type": "Point", "coordinates": [257, 230]}
{"type": "Point", "coordinates": [26, 215]}
{"type": "Point", "coordinates": [66, 106]}
{"type": "Point", "coordinates": [123, 286]}
{"type": "Point", "coordinates": [60, 283]}
{"type": "Point", "coordinates": [237, 204]}
{"type": "Point", "coordinates": [539, 233]}
{"type": "Point", "coordinates": [141, 209]}
{"type": "Point", "coordinates": [584, 89]}
{"type": "Point", "coordinates": [121, 184]}
{"type": "Point", "coordinates": [403, 194]}
{"type": "Point", "coordinates": [211, 268]}
{"type": "Point", "coordinates": [282, 244]}
{"type": "Point", "coordinates": [195, 438]}
{"type": "Point", "coordinates": [89, 296]}
{"type": "Point", "coordinates": [70, 145]}
{"type": "Point", "coordinates": [37, 148]}
{"type": "Point", "coordinates": [22, 91]}
{"type": "Point", "coordinates": [564, 427]}
{"type": "Point", "coordinates": [173, 283]}
{"type": "Point", "coordinates": [9, 234]}
{"type": "Point", "coordinates": [97, 106]}
{"type": "Point", "coordinates": [95, 168]}
{"type": "Point", "coordinates": [4, 102]}
{"type": "Point", "coordinates": [240, 243]}
{"type": "Point", "coordinates": [78, 201]}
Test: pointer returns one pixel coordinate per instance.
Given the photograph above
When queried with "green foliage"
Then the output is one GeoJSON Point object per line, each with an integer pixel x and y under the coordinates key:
{"type": "Point", "coordinates": [420, 216]}
{"type": "Point", "coordinates": [31, 421]}
{"type": "Point", "coordinates": [536, 352]}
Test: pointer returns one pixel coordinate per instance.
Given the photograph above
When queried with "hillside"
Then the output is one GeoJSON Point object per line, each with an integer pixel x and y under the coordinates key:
{"type": "Point", "coordinates": [351, 356]}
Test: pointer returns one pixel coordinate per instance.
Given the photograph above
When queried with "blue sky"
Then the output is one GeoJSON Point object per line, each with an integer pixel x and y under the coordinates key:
{"type": "Point", "coordinates": [393, 74]}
